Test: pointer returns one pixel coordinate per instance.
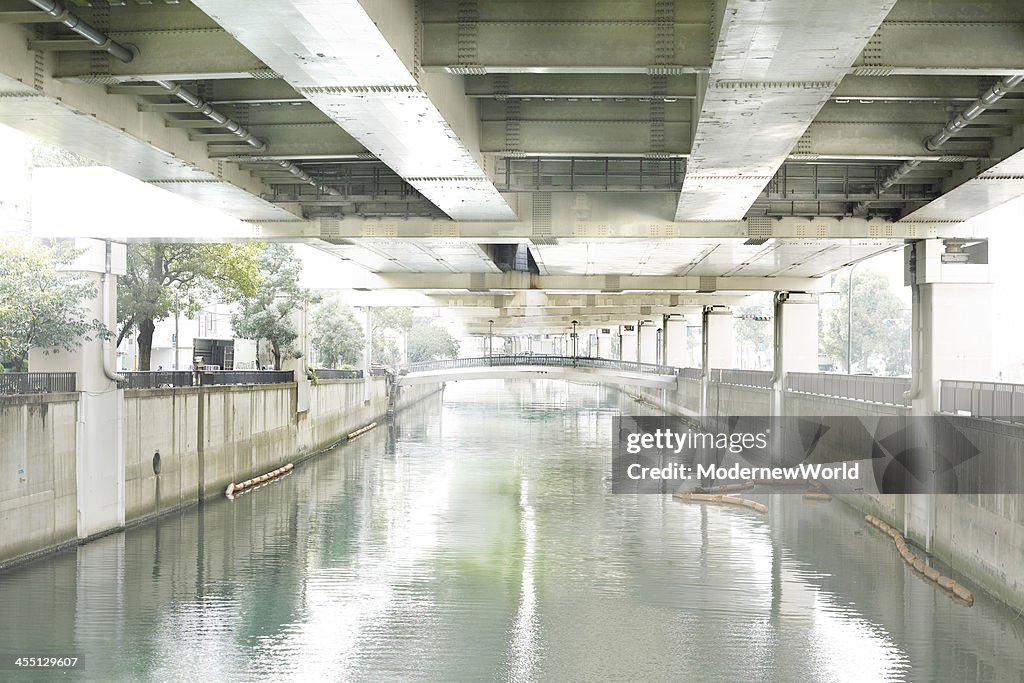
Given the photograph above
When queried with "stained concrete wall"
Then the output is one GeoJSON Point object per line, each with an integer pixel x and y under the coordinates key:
{"type": "Point", "coordinates": [211, 436]}
{"type": "Point", "coordinates": [38, 489]}
{"type": "Point", "coordinates": [207, 438]}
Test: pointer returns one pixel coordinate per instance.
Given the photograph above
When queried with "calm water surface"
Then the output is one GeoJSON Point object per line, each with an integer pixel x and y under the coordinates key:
{"type": "Point", "coordinates": [477, 540]}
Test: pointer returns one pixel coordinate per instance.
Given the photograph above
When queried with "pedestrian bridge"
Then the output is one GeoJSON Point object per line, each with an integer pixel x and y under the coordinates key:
{"type": "Point", "coordinates": [598, 370]}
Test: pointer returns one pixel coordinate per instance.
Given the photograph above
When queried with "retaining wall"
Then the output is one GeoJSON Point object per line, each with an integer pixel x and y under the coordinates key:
{"type": "Point", "coordinates": [38, 488]}
{"type": "Point", "coordinates": [206, 438]}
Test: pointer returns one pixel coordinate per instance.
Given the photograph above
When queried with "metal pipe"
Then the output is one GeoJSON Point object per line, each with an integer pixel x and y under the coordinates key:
{"type": "Point", "coordinates": [232, 126]}
{"type": "Point", "coordinates": [207, 110]}
{"type": "Point", "coordinates": [973, 111]}
{"type": "Point", "coordinates": [954, 126]}
{"type": "Point", "coordinates": [84, 29]}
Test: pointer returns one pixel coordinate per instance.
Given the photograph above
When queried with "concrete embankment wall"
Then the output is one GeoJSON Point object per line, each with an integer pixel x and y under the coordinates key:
{"type": "Point", "coordinates": [205, 437]}
{"type": "Point", "coordinates": [979, 536]}
{"type": "Point", "coordinates": [38, 486]}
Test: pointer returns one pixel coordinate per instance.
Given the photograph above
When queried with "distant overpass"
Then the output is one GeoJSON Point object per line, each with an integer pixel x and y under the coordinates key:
{"type": "Point", "coordinates": [601, 370]}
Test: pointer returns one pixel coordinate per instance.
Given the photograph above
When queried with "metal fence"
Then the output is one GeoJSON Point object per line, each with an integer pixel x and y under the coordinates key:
{"type": "Point", "coordinates": [378, 372]}
{"type": "Point", "coordinates": [12, 383]}
{"type": "Point", "coordinates": [985, 400]}
{"type": "Point", "coordinates": [161, 379]}
{"type": "Point", "coordinates": [761, 379]}
{"type": "Point", "coordinates": [543, 361]}
{"type": "Point", "coordinates": [338, 373]}
{"type": "Point", "coordinates": [691, 373]}
{"type": "Point", "coordinates": [156, 379]}
{"type": "Point", "coordinates": [246, 377]}
{"type": "Point", "coordinates": [885, 390]}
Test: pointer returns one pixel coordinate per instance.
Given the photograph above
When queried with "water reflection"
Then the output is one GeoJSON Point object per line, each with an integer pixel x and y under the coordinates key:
{"type": "Point", "coordinates": [477, 539]}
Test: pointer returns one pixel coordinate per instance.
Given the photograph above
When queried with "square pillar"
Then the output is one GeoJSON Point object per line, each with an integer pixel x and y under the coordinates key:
{"type": "Point", "coordinates": [674, 341]}
{"type": "Point", "coordinates": [951, 339]}
{"type": "Point", "coordinates": [604, 343]}
{"type": "Point", "coordinates": [99, 450]}
{"type": "Point", "coordinates": [628, 345]}
{"type": "Point", "coordinates": [718, 347]}
{"type": "Point", "coordinates": [795, 340]}
{"type": "Point", "coordinates": [647, 346]}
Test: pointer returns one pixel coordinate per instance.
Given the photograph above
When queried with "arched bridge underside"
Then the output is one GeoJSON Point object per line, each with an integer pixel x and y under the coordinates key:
{"type": "Point", "coordinates": [598, 370]}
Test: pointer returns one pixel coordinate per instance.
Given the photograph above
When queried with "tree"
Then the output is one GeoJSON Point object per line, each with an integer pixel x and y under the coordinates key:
{"type": "Point", "coordinates": [337, 336]}
{"type": "Point", "coordinates": [396, 319]}
{"type": "Point", "coordinates": [754, 335]}
{"type": "Point", "coordinates": [428, 342]}
{"type": "Point", "coordinates": [163, 278]}
{"type": "Point", "coordinates": [40, 305]}
{"type": "Point", "coordinates": [881, 326]}
{"type": "Point", "coordinates": [267, 314]}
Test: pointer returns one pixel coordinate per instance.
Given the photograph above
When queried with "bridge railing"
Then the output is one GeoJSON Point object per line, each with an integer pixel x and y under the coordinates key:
{"type": "Point", "coordinates": [985, 400]}
{"type": "Point", "coordinates": [13, 383]}
{"type": "Point", "coordinates": [886, 390]}
{"type": "Point", "coordinates": [761, 379]}
{"type": "Point", "coordinates": [543, 361]}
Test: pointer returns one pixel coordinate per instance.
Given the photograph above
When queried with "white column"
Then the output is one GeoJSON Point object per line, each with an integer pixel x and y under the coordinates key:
{"type": "Point", "coordinates": [796, 343]}
{"type": "Point", "coordinates": [367, 352]}
{"type": "Point", "coordinates": [719, 338]}
{"type": "Point", "coordinates": [952, 329]}
{"type": "Point", "coordinates": [604, 343]}
{"type": "Point", "coordinates": [648, 342]}
{"type": "Point", "coordinates": [99, 458]}
{"type": "Point", "coordinates": [675, 342]}
{"type": "Point", "coordinates": [628, 347]}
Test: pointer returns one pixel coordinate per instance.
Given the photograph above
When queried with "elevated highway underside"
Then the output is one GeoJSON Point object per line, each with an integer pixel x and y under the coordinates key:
{"type": "Point", "coordinates": [436, 144]}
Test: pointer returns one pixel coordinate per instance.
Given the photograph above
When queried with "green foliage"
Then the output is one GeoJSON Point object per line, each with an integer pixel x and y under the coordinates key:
{"type": "Point", "coordinates": [337, 336]}
{"type": "Point", "coordinates": [754, 337]}
{"type": "Point", "coordinates": [40, 306]}
{"type": "Point", "coordinates": [267, 313]}
{"type": "Point", "coordinates": [165, 277]}
{"type": "Point", "coordinates": [881, 325]}
{"type": "Point", "coordinates": [428, 342]}
{"type": "Point", "coordinates": [396, 320]}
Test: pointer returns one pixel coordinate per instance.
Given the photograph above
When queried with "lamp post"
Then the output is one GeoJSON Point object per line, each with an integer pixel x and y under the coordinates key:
{"type": "Point", "coordinates": [490, 341]}
{"type": "Point", "coordinates": [574, 341]}
{"type": "Point", "coordinates": [849, 322]}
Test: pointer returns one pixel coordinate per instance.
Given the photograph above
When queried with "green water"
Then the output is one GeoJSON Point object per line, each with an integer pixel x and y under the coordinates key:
{"type": "Point", "coordinates": [478, 540]}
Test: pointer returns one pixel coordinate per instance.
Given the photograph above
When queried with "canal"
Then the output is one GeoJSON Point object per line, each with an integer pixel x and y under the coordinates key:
{"type": "Point", "coordinates": [477, 539]}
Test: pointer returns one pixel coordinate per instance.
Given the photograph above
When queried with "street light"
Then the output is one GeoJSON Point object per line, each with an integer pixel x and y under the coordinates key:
{"type": "Point", "coordinates": [574, 340]}
{"type": "Point", "coordinates": [490, 339]}
{"type": "Point", "coordinates": [849, 322]}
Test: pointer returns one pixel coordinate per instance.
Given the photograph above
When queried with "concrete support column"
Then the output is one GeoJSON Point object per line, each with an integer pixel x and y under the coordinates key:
{"type": "Point", "coordinates": [718, 347]}
{"type": "Point", "coordinates": [604, 343]}
{"type": "Point", "coordinates": [99, 456]}
{"type": "Point", "coordinates": [648, 342]}
{"type": "Point", "coordinates": [367, 351]}
{"type": "Point", "coordinates": [951, 340]}
{"type": "Point", "coordinates": [628, 346]}
{"type": "Point", "coordinates": [796, 340]}
{"type": "Point", "coordinates": [674, 341]}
